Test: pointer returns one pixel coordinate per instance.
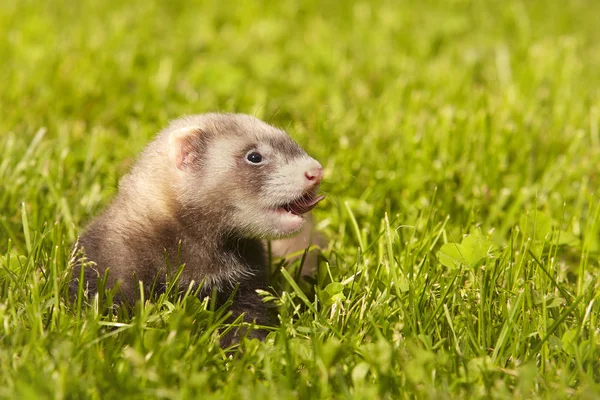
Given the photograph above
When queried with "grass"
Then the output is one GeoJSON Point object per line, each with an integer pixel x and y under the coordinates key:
{"type": "Point", "coordinates": [460, 143]}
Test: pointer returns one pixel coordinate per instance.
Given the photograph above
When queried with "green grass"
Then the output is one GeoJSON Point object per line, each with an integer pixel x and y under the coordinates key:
{"type": "Point", "coordinates": [461, 148]}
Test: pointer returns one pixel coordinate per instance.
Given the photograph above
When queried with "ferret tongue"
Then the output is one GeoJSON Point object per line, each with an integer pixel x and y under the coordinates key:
{"type": "Point", "coordinates": [303, 205]}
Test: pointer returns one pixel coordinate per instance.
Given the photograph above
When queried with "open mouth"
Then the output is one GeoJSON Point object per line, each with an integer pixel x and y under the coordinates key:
{"type": "Point", "coordinates": [303, 204]}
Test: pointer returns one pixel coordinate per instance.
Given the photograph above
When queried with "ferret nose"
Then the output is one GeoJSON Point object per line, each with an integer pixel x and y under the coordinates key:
{"type": "Point", "coordinates": [314, 174]}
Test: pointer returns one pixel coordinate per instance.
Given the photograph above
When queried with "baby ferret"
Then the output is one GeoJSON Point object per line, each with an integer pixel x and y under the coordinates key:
{"type": "Point", "coordinates": [204, 194]}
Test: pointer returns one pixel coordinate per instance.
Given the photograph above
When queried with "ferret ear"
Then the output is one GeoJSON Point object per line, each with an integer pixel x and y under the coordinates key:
{"type": "Point", "coordinates": [185, 147]}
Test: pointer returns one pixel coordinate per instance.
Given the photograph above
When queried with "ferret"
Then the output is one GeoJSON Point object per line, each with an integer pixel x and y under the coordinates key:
{"type": "Point", "coordinates": [205, 194]}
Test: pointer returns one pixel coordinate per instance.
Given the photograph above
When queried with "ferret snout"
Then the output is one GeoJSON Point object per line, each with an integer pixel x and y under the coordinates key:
{"type": "Point", "coordinates": [314, 174]}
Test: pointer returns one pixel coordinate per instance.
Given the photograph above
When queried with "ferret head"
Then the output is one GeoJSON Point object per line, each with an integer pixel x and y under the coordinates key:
{"type": "Point", "coordinates": [246, 175]}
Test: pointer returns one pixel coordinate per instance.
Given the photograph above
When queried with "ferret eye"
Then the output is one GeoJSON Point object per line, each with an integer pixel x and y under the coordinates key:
{"type": "Point", "coordinates": [254, 157]}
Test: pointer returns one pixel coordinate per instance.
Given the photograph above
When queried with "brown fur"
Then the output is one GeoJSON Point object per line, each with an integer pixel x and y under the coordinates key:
{"type": "Point", "coordinates": [190, 197]}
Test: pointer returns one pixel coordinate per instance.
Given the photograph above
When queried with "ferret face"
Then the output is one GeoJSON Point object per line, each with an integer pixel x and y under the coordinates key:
{"type": "Point", "coordinates": [250, 175]}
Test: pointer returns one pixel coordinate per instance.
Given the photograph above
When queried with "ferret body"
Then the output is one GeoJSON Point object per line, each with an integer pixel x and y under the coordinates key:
{"type": "Point", "coordinates": [204, 194]}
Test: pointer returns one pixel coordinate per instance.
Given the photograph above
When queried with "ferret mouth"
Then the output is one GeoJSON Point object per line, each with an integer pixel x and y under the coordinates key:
{"type": "Point", "coordinates": [302, 204]}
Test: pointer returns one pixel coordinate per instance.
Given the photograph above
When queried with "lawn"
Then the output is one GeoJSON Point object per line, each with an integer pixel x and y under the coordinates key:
{"type": "Point", "coordinates": [461, 147]}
